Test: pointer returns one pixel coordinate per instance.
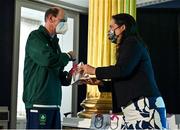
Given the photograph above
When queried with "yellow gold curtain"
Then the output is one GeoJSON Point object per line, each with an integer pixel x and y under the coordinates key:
{"type": "Point", "coordinates": [100, 51]}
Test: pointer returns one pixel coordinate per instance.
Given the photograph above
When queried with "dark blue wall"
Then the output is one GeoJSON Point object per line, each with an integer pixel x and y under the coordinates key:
{"type": "Point", "coordinates": [173, 4]}
{"type": "Point", "coordinates": [83, 35]}
{"type": "Point", "coordinates": [159, 29]}
{"type": "Point", "coordinates": [7, 11]}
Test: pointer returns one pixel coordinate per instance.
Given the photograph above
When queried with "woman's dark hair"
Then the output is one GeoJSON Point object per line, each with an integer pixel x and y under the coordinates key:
{"type": "Point", "coordinates": [130, 30]}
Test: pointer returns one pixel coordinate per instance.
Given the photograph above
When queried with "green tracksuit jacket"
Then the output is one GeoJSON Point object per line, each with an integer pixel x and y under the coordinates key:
{"type": "Point", "coordinates": [43, 69]}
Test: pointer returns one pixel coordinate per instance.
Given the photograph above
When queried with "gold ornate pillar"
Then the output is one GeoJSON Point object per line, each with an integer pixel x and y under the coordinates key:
{"type": "Point", "coordinates": [100, 51]}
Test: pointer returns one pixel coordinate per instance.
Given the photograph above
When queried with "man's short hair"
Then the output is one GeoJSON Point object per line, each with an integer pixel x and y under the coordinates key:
{"type": "Point", "coordinates": [51, 11]}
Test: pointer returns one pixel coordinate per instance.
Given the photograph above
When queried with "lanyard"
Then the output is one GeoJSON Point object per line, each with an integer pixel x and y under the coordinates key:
{"type": "Point", "coordinates": [114, 117]}
{"type": "Point", "coordinates": [73, 69]}
{"type": "Point", "coordinates": [98, 122]}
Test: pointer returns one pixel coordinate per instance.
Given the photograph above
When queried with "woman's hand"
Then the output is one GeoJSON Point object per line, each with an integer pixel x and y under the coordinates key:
{"type": "Point", "coordinates": [94, 81]}
{"type": "Point", "coordinates": [87, 69]}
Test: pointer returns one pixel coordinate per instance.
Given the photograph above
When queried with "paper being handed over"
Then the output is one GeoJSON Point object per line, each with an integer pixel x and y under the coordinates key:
{"type": "Point", "coordinates": [78, 77]}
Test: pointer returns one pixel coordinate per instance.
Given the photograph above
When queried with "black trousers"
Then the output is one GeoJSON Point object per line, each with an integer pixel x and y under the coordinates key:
{"type": "Point", "coordinates": [43, 118]}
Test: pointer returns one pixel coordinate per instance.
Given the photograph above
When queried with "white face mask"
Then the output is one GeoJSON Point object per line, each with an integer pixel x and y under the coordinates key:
{"type": "Point", "coordinates": [61, 28]}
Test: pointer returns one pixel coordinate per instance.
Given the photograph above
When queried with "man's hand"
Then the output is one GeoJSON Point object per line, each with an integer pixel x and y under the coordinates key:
{"type": "Point", "coordinates": [72, 55]}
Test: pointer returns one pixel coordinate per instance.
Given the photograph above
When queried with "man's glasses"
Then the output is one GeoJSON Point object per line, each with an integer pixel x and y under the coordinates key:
{"type": "Point", "coordinates": [62, 20]}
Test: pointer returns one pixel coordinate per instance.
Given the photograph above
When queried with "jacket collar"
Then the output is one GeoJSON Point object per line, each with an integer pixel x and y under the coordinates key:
{"type": "Point", "coordinates": [46, 33]}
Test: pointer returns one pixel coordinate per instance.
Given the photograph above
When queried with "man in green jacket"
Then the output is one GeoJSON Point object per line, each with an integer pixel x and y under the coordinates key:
{"type": "Point", "coordinates": [43, 72]}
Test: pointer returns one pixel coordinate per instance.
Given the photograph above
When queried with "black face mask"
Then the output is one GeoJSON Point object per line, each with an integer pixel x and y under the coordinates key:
{"type": "Point", "coordinates": [112, 36]}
